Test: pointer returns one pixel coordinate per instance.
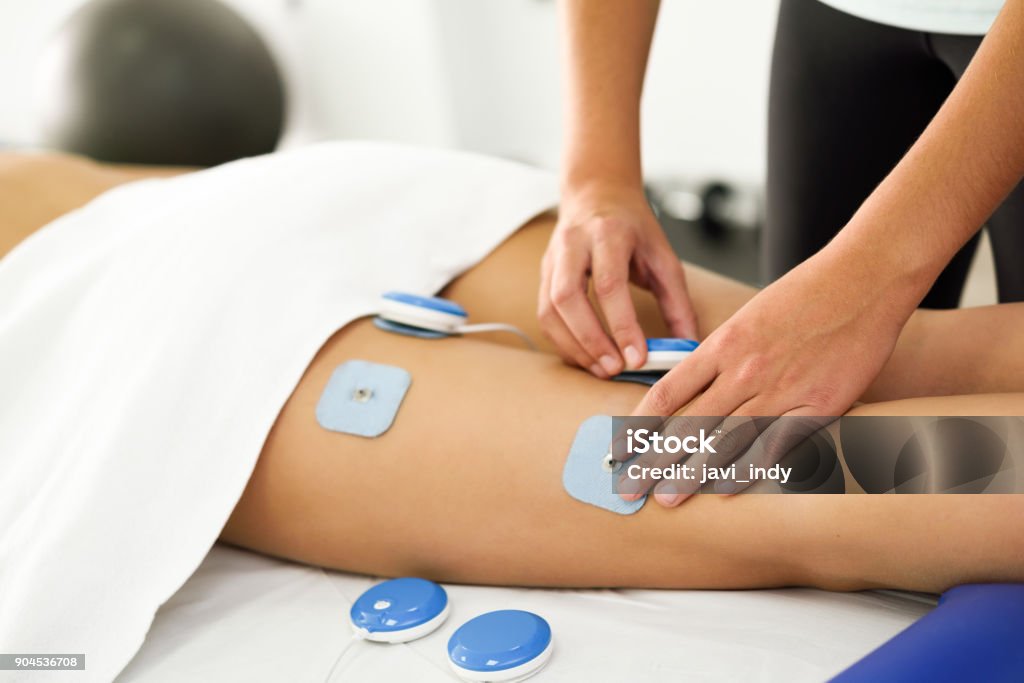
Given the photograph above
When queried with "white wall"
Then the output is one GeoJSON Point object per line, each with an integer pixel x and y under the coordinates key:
{"type": "Point", "coordinates": [23, 29]}
{"type": "Point", "coordinates": [478, 74]}
{"type": "Point", "coordinates": [706, 101]}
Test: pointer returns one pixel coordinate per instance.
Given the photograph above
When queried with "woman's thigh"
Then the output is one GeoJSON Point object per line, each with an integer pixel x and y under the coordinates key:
{"type": "Point", "coordinates": [466, 487]}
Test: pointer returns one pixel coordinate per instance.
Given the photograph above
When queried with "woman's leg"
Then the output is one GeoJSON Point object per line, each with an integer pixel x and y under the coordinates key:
{"type": "Point", "coordinates": [466, 487]}
{"type": "Point", "coordinates": [468, 494]}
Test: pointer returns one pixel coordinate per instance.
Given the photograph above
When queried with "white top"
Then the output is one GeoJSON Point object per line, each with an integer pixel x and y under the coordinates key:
{"type": "Point", "coordinates": [149, 340]}
{"type": "Point", "coordinates": [966, 17]}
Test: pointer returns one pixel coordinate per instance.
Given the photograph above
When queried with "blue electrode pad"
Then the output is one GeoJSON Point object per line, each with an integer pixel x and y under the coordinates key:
{"type": "Point", "coordinates": [585, 478]}
{"type": "Point", "coordinates": [362, 398]}
{"type": "Point", "coordinates": [507, 645]}
{"type": "Point", "coordinates": [399, 610]}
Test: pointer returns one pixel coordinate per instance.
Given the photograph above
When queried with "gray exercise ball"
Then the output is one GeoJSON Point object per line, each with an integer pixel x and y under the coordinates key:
{"type": "Point", "coordinates": [181, 82]}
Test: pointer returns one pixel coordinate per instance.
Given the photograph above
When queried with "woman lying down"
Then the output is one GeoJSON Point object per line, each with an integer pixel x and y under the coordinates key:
{"type": "Point", "coordinates": [163, 350]}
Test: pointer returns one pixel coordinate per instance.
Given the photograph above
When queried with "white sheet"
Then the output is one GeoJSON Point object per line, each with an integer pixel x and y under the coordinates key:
{"type": "Point", "coordinates": [243, 617]}
{"type": "Point", "coordinates": [148, 341]}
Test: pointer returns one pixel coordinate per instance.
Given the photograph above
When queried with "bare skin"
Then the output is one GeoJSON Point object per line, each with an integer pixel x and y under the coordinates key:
{"type": "Point", "coordinates": [37, 188]}
{"type": "Point", "coordinates": [466, 458]}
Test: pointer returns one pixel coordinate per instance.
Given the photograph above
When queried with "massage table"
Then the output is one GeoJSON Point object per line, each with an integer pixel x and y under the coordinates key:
{"type": "Point", "coordinates": [247, 617]}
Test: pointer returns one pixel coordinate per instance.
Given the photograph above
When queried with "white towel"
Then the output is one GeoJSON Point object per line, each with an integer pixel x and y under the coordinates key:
{"type": "Point", "coordinates": [149, 340]}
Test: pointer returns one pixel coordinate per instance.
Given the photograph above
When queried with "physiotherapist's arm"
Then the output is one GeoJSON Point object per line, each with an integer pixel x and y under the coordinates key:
{"type": "Point", "coordinates": [963, 166]}
{"type": "Point", "coordinates": [606, 45]}
{"type": "Point", "coordinates": [812, 342]}
{"type": "Point", "coordinates": [606, 229]}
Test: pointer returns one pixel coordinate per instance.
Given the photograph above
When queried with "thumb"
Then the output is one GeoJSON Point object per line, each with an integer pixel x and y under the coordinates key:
{"type": "Point", "coordinates": [668, 285]}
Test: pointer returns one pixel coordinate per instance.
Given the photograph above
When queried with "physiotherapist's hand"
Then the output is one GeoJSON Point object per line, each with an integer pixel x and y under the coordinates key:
{"type": "Point", "coordinates": [808, 345]}
{"type": "Point", "coordinates": [610, 235]}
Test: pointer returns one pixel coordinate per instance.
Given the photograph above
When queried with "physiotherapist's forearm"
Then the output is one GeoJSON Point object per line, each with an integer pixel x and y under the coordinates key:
{"type": "Point", "coordinates": [959, 171]}
{"type": "Point", "coordinates": [605, 44]}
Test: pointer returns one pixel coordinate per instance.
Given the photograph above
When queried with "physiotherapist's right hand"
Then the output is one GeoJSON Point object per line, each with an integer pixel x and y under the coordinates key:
{"type": "Point", "coordinates": [608, 234]}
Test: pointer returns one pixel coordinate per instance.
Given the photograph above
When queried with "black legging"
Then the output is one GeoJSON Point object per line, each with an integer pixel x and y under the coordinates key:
{"type": "Point", "coordinates": [848, 99]}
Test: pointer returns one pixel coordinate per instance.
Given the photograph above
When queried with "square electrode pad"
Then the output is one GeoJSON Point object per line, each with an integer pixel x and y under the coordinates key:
{"type": "Point", "coordinates": [362, 398]}
{"type": "Point", "coordinates": [584, 476]}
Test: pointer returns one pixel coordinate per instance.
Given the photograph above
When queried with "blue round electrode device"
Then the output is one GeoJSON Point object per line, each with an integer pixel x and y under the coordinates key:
{"type": "Point", "coordinates": [399, 610]}
{"type": "Point", "coordinates": [431, 317]}
{"type": "Point", "coordinates": [666, 353]}
{"type": "Point", "coordinates": [507, 645]}
{"type": "Point", "coordinates": [425, 312]}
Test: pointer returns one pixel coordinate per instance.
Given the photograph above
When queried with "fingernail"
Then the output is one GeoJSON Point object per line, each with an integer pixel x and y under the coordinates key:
{"type": "Point", "coordinates": [725, 486]}
{"type": "Point", "coordinates": [632, 357]}
{"type": "Point", "coordinates": [668, 499]}
{"type": "Point", "coordinates": [627, 489]}
{"type": "Point", "coordinates": [596, 370]}
{"type": "Point", "coordinates": [609, 364]}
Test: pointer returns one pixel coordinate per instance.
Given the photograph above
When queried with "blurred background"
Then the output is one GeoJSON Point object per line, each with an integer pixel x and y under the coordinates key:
{"type": "Point", "coordinates": [465, 74]}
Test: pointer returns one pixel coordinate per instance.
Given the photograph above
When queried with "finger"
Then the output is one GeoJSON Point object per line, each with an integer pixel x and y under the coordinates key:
{"type": "Point", "coordinates": [569, 295]}
{"type": "Point", "coordinates": [785, 434]}
{"type": "Point", "coordinates": [696, 426]}
{"type": "Point", "coordinates": [640, 433]}
{"type": "Point", "coordinates": [689, 435]}
{"type": "Point", "coordinates": [629, 485]}
{"type": "Point", "coordinates": [671, 493]}
{"type": "Point", "coordinates": [624, 428]}
{"type": "Point", "coordinates": [678, 387]}
{"type": "Point", "coordinates": [668, 285]}
{"type": "Point", "coordinates": [646, 471]}
{"type": "Point", "coordinates": [722, 397]}
{"type": "Point", "coordinates": [610, 273]}
{"type": "Point", "coordinates": [554, 328]}
{"type": "Point", "coordinates": [733, 436]}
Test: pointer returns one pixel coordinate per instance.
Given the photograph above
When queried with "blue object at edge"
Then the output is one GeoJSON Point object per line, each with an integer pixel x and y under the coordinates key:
{"type": "Point", "coordinates": [500, 640]}
{"type": "Point", "coordinates": [973, 635]}
{"type": "Point", "coordinates": [434, 303]}
{"type": "Point", "coordinates": [411, 602]}
{"type": "Point", "coordinates": [671, 344]}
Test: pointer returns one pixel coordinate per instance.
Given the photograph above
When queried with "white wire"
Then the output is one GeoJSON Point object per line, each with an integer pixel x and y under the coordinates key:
{"type": "Point", "coordinates": [348, 646]}
{"type": "Point", "coordinates": [496, 327]}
